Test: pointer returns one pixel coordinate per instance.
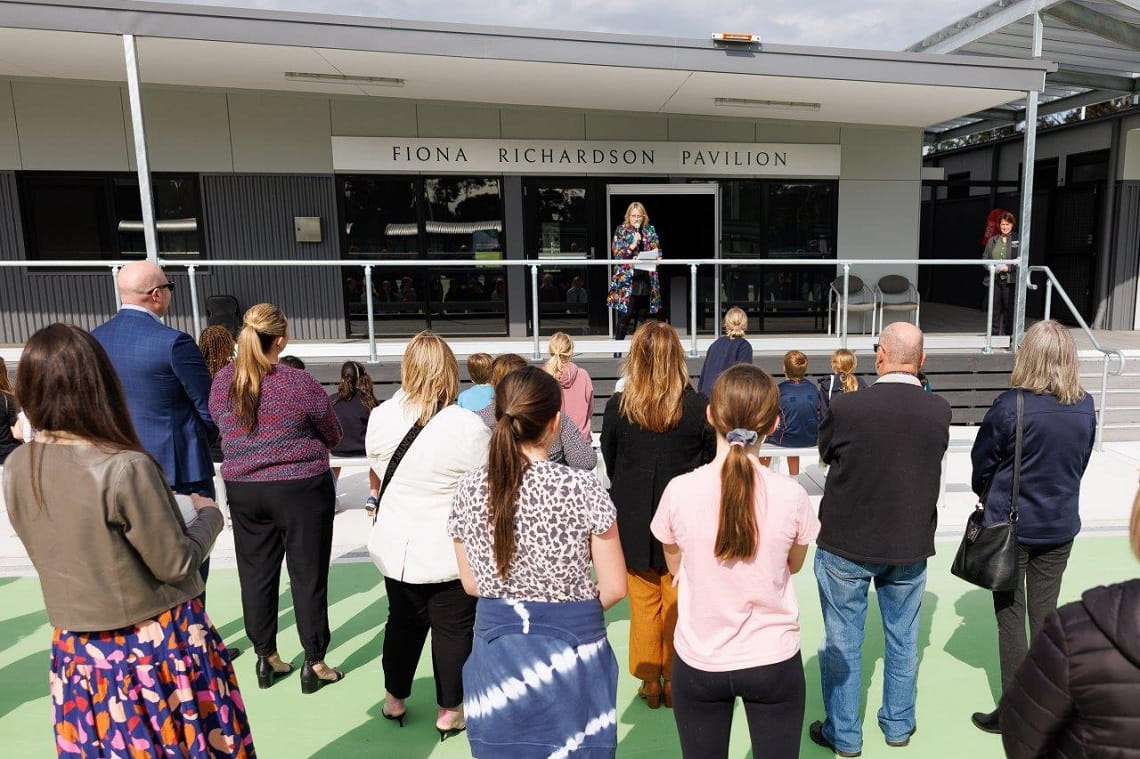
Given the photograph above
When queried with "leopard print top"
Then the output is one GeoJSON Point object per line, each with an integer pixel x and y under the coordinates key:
{"type": "Point", "coordinates": [559, 510]}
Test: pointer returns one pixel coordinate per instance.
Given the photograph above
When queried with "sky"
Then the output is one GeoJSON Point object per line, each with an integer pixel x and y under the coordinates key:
{"type": "Point", "coordinates": [875, 24]}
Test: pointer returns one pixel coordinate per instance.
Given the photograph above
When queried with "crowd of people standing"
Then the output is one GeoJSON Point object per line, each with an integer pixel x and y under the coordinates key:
{"type": "Point", "coordinates": [493, 534]}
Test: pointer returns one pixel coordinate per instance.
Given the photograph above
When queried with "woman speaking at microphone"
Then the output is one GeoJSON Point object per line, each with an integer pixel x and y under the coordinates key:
{"type": "Point", "coordinates": [633, 294]}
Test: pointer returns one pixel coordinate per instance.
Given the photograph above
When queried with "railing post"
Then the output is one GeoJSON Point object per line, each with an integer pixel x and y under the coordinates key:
{"type": "Point", "coordinates": [1099, 444]}
{"type": "Point", "coordinates": [846, 296]}
{"type": "Point", "coordinates": [371, 315]}
{"type": "Point", "coordinates": [537, 352]}
{"type": "Point", "coordinates": [1048, 297]}
{"type": "Point", "coordinates": [693, 310]}
{"type": "Point", "coordinates": [115, 286]}
{"type": "Point", "coordinates": [989, 346]}
{"type": "Point", "coordinates": [191, 271]}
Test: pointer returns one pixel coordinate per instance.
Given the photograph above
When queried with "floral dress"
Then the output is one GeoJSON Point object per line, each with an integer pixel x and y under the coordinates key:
{"type": "Point", "coordinates": [621, 283]}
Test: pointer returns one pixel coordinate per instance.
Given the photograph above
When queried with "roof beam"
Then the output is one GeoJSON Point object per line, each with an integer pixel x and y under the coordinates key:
{"type": "Point", "coordinates": [1045, 109]}
{"type": "Point", "coordinates": [996, 21]}
{"type": "Point", "coordinates": [1089, 80]}
{"type": "Point", "coordinates": [1095, 22]}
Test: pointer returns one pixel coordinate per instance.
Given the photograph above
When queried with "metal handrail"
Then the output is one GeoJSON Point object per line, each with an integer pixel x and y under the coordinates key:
{"type": "Point", "coordinates": [844, 264]}
{"type": "Point", "coordinates": [1051, 284]}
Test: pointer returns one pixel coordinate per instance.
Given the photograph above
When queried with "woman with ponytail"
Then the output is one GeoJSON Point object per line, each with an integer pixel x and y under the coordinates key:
{"type": "Point", "coordinates": [734, 532]}
{"type": "Point", "coordinates": [526, 531]}
{"type": "Point", "coordinates": [352, 402]}
{"type": "Point", "coordinates": [277, 426]}
{"type": "Point", "coordinates": [577, 387]}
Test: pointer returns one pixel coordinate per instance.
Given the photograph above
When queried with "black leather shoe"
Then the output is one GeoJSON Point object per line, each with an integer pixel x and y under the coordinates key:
{"type": "Point", "coordinates": [815, 732]}
{"type": "Point", "coordinates": [270, 669]}
{"type": "Point", "coordinates": [316, 675]}
{"type": "Point", "coordinates": [990, 723]}
{"type": "Point", "coordinates": [233, 651]}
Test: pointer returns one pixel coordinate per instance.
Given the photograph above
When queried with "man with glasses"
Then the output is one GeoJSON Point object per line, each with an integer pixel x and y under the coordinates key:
{"type": "Point", "coordinates": [885, 446]}
{"type": "Point", "coordinates": [164, 379]}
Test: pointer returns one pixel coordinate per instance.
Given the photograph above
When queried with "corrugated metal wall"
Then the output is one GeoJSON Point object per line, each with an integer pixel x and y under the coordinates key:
{"type": "Point", "coordinates": [246, 217]}
{"type": "Point", "coordinates": [1125, 257]}
{"type": "Point", "coordinates": [250, 216]}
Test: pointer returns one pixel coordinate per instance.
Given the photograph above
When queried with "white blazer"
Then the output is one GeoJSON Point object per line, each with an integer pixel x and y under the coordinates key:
{"type": "Point", "coordinates": [409, 541]}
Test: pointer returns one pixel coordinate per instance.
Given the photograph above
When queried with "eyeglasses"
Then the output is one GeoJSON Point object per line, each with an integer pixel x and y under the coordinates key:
{"type": "Point", "coordinates": [168, 286]}
{"type": "Point", "coordinates": [875, 347]}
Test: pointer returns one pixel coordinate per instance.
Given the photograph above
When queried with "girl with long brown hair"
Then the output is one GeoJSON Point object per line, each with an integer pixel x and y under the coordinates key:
{"type": "Point", "coordinates": [135, 663]}
{"type": "Point", "coordinates": [652, 431]}
{"type": "Point", "coordinates": [526, 531]}
{"type": "Point", "coordinates": [352, 403]}
{"type": "Point", "coordinates": [277, 426]}
{"type": "Point", "coordinates": [739, 531]}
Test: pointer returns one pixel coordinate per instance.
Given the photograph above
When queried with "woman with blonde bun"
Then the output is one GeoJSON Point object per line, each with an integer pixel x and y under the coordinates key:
{"type": "Point", "coordinates": [577, 387]}
{"type": "Point", "coordinates": [277, 426]}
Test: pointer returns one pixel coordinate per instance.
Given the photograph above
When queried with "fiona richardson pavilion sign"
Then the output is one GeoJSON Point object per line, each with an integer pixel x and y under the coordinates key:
{"type": "Point", "coordinates": [394, 155]}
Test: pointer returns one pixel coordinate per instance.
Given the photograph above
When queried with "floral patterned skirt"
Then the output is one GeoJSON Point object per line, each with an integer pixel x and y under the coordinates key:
{"type": "Point", "coordinates": [162, 688]}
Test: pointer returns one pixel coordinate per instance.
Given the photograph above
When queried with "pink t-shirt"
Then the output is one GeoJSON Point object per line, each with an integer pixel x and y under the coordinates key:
{"type": "Point", "coordinates": [735, 614]}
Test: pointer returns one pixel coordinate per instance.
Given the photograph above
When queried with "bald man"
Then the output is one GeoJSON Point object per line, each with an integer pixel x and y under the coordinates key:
{"type": "Point", "coordinates": [885, 446]}
{"type": "Point", "coordinates": [164, 378]}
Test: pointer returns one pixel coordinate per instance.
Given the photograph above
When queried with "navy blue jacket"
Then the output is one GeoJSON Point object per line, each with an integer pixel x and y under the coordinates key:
{"type": "Point", "coordinates": [1057, 441]}
{"type": "Point", "coordinates": [167, 387]}
{"type": "Point", "coordinates": [723, 353]}
{"type": "Point", "coordinates": [799, 415]}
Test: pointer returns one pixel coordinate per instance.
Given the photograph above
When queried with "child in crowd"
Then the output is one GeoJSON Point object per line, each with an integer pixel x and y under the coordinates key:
{"type": "Point", "coordinates": [480, 394]}
{"type": "Point", "coordinates": [799, 409]}
{"type": "Point", "coordinates": [352, 403]}
{"type": "Point", "coordinates": [841, 380]}
{"type": "Point", "coordinates": [292, 361]}
{"type": "Point", "coordinates": [577, 387]}
{"type": "Point", "coordinates": [728, 349]}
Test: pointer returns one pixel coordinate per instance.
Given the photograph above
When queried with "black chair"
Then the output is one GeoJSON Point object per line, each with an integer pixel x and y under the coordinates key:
{"type": "Point", "coordinates": [224, 310]}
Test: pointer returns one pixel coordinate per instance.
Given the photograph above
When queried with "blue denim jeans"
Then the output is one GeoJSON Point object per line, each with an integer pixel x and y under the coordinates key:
{"type": "Point", "coordinates": [843, 596]}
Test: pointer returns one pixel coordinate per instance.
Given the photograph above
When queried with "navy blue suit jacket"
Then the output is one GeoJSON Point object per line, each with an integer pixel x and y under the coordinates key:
{"type": "Point", "coordinates": [167, 387]}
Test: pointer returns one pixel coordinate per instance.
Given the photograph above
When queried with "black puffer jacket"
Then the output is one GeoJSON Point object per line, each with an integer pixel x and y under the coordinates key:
{"type": "Point", "coordinates": [1077, 694]}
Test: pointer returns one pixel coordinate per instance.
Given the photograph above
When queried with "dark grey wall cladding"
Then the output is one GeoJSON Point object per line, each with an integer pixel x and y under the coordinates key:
{"type": "Point", "coordinates": [1125, 257]}
{"type": "Point", "coordinates": [250, 217]}
{"type": "Point", "coordinates": [247, 217]}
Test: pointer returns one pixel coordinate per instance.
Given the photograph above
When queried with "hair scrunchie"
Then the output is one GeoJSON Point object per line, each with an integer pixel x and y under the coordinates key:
{"type": "Point", "coordinates": [741, 436]}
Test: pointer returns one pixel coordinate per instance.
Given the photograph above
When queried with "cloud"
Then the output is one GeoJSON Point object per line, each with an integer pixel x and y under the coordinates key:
{"type": "Point", "coordinates": [875, 24]}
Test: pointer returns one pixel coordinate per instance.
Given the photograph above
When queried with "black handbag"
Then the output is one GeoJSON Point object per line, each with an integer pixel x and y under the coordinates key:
{"type": "Point", "coordinates": [987, 556]}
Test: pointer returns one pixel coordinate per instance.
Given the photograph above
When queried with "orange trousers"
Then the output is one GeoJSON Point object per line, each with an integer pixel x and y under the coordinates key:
{"type": "Point", "coordinates": [652, 619]}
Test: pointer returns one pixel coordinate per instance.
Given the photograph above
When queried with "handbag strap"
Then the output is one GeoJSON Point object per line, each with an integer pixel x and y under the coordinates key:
{"type": "Point", "coordinates": [398, 456]}
{"type": "Point", "coordinates": [1017, 435]}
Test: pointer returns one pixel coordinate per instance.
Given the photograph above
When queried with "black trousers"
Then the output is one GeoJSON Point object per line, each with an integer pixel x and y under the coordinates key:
{"type": "Point", "coordinates": [1002, 323]}
{"type": "Point", "coordinates": [773, 698]}
{"type": "Point", "coordinates": [1039, 572]}
{"type": "Point", "coordinates": [291, 519]}
{"type": "Point", "coordinates": [413, 609]}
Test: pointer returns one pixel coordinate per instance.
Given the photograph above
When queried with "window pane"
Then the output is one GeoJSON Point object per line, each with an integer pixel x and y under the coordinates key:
{"type": "Point", "coordinates": [561, 233]}
{"type": "Point", "coordinates": [67, 217]}
{"type": "Point", "coordinates": [176, 213]}
{"type": "Point", "coordinates": [464, 220]}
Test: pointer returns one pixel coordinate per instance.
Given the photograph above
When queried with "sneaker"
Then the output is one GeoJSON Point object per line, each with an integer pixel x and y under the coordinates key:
{"type": "Point", "coordinates": [815, 732]}
{"type": "Point", "coordinates": [370, 505]}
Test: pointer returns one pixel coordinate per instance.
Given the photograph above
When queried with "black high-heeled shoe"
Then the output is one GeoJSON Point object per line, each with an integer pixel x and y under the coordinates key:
{"type": "Point", "coordinates": [311, 681]}
{"type": "Point", "coordinates": [399, 718]}
{"type": "Point", "coordinates": [448, 732]}
{"type": "Point", "coordinates": [270, 669]}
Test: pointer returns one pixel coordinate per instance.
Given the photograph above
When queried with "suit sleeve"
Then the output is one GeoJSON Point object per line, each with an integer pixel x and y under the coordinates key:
{"type": "Point", "coordinates": [992, 444]}
{"type": "Point", "coordinates": [146, 511]}
{"type": "Point", "coordinates": [1038, 703]}
{"type": "Point", "coordinates": [190, 368]}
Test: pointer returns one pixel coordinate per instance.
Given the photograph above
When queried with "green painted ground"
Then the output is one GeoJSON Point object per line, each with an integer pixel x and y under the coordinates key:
{"type": "Point", "coordinates": [958, 674]}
